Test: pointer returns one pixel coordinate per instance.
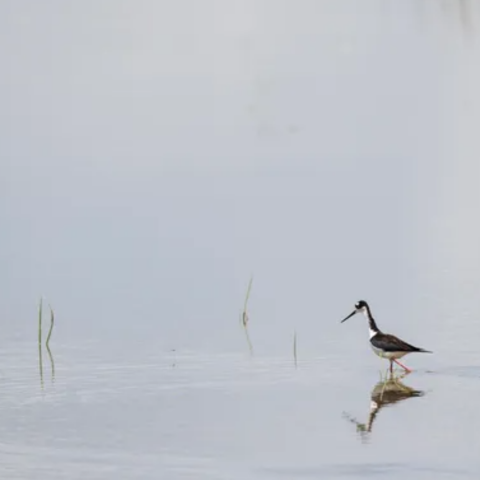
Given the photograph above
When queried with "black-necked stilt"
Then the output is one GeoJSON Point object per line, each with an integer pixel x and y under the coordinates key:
{"type": "Point", "coordinates": [383, 344]}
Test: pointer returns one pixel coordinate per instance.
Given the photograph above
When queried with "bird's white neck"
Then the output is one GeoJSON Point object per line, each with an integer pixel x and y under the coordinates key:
{"type": "Point", "coordinates": [372, 327]}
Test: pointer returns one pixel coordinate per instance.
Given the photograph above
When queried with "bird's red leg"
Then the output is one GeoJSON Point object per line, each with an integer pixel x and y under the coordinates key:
{"type": "Point", "coordinates": [403, 366]}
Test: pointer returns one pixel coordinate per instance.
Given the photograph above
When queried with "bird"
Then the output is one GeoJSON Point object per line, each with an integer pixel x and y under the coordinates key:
{"type": "Point", "coordinates": [383, 344]}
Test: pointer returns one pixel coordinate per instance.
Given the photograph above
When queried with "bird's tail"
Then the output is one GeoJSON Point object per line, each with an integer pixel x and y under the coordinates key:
{"type": "Point", "coordinates": [422, 350]}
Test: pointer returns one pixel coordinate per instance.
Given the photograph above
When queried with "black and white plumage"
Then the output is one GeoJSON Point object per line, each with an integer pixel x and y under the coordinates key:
{"type": "Point", "coordinates": [383, 344]}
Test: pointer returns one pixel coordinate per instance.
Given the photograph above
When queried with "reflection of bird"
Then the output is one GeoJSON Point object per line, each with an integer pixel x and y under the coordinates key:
{"type": "Point", "coordinates": [383, 344]}
{"type": "Point", "coordinates": [384, 393]}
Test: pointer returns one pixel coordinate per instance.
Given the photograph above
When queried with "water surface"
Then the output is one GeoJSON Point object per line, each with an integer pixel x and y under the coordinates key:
{"type": "Point", "coordinates": [153, 157]}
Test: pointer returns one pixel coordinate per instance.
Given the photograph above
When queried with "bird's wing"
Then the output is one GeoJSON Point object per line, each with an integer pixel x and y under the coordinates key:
{"type": "Point", "coordinates": [391, 343]}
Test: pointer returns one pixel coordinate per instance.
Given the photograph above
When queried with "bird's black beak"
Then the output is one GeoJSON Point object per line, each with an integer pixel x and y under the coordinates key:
{"type": "Point", "coordinates": [351, 315]}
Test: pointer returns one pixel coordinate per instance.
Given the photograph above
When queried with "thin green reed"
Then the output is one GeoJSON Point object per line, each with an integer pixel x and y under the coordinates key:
{"type": "Point", "coordinates": [295, 347]}
{"type": "Point", "coordinates": [244, 318]}
{"type": "Point", "coordinates": [52, 322]}
{"type": "Point", "coordinates": [245, 315]}
{"type": "Point", "coordinates": [40, 309]}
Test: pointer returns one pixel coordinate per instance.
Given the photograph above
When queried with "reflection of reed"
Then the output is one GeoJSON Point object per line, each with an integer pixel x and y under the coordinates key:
{"type": "Point", "coordinates": [40, 364]}
{"type": "Point", "coordinates": [384, 393]}
{"type": "Point", "coordinates": [465, 14]}
{"type": "Point", "coordinates": [40, 360]}
{"type": "Point", "coordinates": [464, 10]}
{"type": "Point", "coordinates": [47, 343]}
{"type": "Point", "coordinates": [50, 356]}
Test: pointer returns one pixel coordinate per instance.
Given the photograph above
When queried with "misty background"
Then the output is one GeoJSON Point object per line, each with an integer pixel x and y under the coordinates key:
{"type": "Point", "coordinates": [155, 155]}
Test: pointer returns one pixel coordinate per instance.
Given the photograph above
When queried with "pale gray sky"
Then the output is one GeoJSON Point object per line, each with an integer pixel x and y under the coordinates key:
{"type": "Point", "coordinates": [155, 154]}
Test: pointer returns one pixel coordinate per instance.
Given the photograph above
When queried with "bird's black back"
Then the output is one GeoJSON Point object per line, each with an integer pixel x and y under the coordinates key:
{"type": "Point", "coordinates": [391, 343]}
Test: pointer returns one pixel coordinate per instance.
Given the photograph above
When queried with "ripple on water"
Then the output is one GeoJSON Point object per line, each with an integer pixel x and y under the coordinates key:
{"type": "Point", "coordinates": [89, 374]}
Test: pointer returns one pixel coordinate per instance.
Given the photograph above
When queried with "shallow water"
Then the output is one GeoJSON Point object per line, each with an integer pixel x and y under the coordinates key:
{"type": "Point", "coordinates": [151, 162]}
{"type": "Point", "coordinates": [195, 415]}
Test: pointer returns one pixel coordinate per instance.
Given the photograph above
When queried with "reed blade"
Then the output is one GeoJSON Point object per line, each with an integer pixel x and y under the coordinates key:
{"type": "Point", "coordinates": [52, 323]}
{"type": "Point", "coordinates": [295, 347]}
{"type": "Point", "coordinates": [244, 316]}
{"type": "Point", "coordinates": [40, 309]}
{"type": "Point", "coordinates": [249, 288]}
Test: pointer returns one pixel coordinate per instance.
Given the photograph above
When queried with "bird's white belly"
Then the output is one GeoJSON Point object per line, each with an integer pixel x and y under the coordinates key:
{"type": "Point", "coordinates": [388, 355]}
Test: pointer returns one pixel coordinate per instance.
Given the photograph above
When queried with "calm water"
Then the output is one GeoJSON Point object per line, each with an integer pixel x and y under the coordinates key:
{"type": "Point", "coordinates": [154, 156]}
